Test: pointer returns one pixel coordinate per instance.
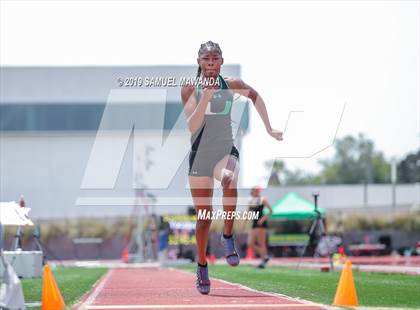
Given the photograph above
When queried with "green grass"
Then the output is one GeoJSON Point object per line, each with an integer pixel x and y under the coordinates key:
{"type": "Point", "coordinates": [73, 283]}
{"type": "Point", "coordinates": [373, 289]}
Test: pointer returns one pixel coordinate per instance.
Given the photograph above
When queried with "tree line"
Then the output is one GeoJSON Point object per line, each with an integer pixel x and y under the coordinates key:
{"type": "Point", "coordinates": [356, 161]}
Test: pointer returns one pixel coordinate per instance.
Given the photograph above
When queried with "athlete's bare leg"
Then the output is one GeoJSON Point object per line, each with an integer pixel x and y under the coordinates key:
{"type": "Point", "coordinates": [262, 242]}
{"type": "Point", "coordinates": [252, 241]}
{"type": "Point", "coordinates": [226, 171]}
{"type": "Point", "coordinates": [202, 193]}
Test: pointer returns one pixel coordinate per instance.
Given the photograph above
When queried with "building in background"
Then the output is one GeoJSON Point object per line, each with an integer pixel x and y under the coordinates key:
{"type": "Point", "coordinates": [49, 120]}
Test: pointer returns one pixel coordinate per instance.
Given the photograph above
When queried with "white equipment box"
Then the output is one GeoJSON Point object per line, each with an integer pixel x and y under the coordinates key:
{"type": "Point", "coordinates": [27, 264]}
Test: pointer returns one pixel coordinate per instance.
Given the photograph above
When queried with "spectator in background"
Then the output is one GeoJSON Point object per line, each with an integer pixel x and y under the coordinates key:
{"type": "Point", "coordinates": [257, 239]}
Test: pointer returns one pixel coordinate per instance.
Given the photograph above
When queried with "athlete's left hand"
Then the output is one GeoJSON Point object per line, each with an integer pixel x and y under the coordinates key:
{"type": "Point", "coordinates": [276, 134]}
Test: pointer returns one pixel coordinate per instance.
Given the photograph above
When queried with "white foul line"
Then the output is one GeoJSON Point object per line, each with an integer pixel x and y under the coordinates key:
{"type": "Point", "coordinates": [200, 306]}
{"type": "Point", "coordinates": [96, 292]}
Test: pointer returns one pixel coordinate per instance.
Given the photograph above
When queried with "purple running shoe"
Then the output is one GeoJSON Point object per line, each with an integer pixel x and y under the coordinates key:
{"type": "Point", "coordinates": [231, 255]}
{"type": "Point", "coordinates": [203, 282]}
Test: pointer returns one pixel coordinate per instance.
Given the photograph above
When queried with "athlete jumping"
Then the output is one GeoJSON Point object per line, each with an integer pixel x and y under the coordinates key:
{"type": "Point", "coordinates": [213, 155]}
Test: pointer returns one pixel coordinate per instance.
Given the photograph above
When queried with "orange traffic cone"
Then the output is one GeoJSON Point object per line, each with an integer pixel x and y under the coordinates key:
{"type": "Point", "coordinates": [124, 255]}
{"type": "Point", "coordinates": [249, 253]}
{"type": "Point", "coordinates": [346, 291]}
{"type": "Point", "coordinates": [51, 296]}
{"type": "Point", "coordinates": [211, 258]}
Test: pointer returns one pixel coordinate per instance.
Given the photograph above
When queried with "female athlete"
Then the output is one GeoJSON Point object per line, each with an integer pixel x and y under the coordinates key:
{"type": "Point", "coordinates": [213, 155]}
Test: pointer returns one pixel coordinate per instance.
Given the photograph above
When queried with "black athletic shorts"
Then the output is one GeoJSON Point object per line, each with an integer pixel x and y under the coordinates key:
{"type": "Point", "coordinates": [255, 224]}
{"type": "Point", "coordinates": [203, 161]}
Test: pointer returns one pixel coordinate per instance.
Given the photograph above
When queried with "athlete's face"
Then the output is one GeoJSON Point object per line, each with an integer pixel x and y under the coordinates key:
{"type": "Point", "coordinates": [210, 62]}
{"type": "Point", "coordinates": [254, 193]}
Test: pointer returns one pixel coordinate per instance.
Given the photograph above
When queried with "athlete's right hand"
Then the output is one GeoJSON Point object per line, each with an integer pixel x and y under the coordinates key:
{"type": "Point", "coordinates": [208, 92]}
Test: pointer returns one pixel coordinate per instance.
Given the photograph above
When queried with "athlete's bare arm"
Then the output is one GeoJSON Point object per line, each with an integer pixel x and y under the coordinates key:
{"type": "Point", "coordinates": [270, 210]}
{"type": "Point", "coordinates": [240, 87]}
{"type": "Point", "coordinates": [193, 111]}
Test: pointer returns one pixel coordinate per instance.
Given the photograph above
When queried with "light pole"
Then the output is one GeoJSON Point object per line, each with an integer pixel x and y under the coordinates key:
{"type": "Point", "coordinates": [394, 182]}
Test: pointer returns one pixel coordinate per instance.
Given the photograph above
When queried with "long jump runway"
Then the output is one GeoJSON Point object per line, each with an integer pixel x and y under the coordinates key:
{"type": "Point", "coordinates": [155, 288]}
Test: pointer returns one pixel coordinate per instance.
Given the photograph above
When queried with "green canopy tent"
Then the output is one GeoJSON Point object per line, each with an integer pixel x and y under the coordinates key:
{"type": "Point", "coordinates": [294, 207]}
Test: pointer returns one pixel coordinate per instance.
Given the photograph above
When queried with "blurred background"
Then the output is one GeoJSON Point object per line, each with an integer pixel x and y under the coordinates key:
{"type": "Point", "coordinates": [340, 79]}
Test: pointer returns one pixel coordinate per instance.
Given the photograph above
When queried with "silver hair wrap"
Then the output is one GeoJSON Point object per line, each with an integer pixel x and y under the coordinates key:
{"type": "Point", "coordinates": [209, 45]}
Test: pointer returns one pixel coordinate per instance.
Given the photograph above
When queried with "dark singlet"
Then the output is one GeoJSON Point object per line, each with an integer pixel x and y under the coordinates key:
{"type": "Point", "coordinates": [214, 139]}
{"type": "Point", "coordinates": [258, 208]}
{"type": "Point", "coordinates": [216, 131]}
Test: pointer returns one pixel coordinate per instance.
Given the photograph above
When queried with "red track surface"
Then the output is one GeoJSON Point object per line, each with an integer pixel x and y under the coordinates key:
{"type": "Point", "coordinates": [154, 288]}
